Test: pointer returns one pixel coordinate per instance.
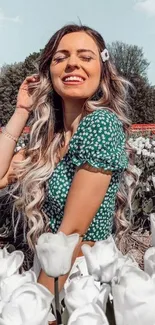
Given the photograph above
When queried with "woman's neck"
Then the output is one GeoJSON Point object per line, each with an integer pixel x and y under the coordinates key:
{"type": "Point", "coordinates": [72, 112]}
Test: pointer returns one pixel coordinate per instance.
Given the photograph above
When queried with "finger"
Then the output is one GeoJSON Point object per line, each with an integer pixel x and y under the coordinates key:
{"type": "Point", "coordinates": [34, 77]}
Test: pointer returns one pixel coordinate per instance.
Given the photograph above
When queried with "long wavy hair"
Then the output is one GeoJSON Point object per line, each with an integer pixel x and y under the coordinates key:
{"type": "Point", "coordinates": [47, 136]}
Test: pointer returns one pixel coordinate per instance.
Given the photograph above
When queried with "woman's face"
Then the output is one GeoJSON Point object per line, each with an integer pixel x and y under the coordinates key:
{"type": "Point", "coordinates": [76, 68]}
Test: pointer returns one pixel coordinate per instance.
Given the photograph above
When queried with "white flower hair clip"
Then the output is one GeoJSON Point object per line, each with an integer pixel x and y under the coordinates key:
{"type": "Point", "coordinates": [105, 55]}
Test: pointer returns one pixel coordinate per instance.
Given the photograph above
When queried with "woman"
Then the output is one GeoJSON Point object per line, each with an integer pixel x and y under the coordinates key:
{"type": "Point", "coordinates": [69, 175]}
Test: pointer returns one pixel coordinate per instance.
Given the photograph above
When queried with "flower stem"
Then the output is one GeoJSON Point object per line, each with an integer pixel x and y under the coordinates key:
{"type": "Point", "coordinates": [57, 303]}
{"type": "Point", "coordinates": [110, 313]}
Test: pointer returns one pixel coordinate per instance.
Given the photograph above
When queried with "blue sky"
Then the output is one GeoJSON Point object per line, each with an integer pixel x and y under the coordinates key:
{"type": "Point", "coordinates": [26, 25]}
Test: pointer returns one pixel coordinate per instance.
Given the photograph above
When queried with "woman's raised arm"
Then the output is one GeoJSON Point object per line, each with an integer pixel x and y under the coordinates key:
{"type": "Point", "coordinates": [15, 126]}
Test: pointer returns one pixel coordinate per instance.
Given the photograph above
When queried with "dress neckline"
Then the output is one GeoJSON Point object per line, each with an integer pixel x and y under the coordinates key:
{"type": "Point", "coordinates": [75, 133]}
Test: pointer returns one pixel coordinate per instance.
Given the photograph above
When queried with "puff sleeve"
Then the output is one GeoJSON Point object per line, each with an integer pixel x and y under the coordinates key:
{"type": "Point", "coordinates": [100, 141]}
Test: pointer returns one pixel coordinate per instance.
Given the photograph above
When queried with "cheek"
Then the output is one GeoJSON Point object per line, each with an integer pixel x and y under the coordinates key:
{"type": "Point", "coordinates": [95, 76]}
{"type": "Point", "coordinates": [54, 73]}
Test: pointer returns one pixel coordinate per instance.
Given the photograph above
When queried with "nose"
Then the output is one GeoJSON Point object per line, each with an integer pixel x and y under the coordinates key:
{"type": "Point", "coordinates": [72, 63]}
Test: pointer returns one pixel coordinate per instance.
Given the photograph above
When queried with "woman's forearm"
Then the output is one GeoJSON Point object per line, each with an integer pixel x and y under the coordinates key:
{"type": "Point", "coordinates": [14, 127]}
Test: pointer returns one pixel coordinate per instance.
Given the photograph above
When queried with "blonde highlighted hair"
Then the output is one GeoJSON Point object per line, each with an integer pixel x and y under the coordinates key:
{"type": "Point", "coordinates": [47, 136]}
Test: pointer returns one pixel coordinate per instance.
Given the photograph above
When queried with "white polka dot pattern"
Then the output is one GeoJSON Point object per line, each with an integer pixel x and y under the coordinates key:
{"type": "Point", "coordinates": [99, 141]}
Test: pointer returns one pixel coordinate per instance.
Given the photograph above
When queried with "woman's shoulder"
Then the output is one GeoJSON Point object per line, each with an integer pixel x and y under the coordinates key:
{"type": "Point", "coordinates": [101, 115]}
{"type": "Point", "coordinates": [101, 120]}
{"type": "Point", "coordinates": [100, 141]}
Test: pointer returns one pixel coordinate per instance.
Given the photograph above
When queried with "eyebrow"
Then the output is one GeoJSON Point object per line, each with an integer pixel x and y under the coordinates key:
{"type": "Point", "coordinates": [78, 51]}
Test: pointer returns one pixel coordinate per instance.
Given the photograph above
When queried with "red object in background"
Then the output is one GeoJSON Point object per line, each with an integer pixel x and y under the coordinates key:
{"type": "Point", "coordinates": [143, 128]}
{"type": "Point", "coordinates": [134, 128]}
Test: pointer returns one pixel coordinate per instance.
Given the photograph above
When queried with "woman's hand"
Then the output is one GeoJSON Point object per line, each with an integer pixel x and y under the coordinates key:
{"type": "Point", "coordinates": [24, 97]}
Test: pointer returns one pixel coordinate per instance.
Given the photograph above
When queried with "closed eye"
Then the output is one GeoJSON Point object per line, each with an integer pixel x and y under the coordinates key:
{"type": "Point", "coordinates": [86, 58]}
{"type": "Point", "coordinates": [59, 59]}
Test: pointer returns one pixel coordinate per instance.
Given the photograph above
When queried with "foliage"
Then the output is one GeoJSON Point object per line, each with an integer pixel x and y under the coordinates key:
{"type": "Point", "coordinates": [11, 78]}
{"type": "Point", "coordinates": [144, 200]}
{"type": "Point", "coordinates": [142, 101]}
{"type": "Point", "coordinates": [131, 63]}
{"type": "Point", "coordinates": [129, 59]}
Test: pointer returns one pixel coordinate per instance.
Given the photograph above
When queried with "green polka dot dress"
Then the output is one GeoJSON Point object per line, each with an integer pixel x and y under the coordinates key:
{"type": "Point", "coordinates": [99, 141]}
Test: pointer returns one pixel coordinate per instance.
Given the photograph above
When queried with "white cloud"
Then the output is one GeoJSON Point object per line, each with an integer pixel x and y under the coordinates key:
{"type": "Point", "coordinates": [3, 17]}
{"type": "Point", "coordinates": [147, 6]}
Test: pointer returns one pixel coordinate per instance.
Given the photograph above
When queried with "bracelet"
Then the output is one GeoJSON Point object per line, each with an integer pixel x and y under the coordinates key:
{"type": "Point", "coordinates": [8, 135]}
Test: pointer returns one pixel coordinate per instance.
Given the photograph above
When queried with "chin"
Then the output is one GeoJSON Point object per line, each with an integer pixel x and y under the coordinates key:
{"type": "Point", "coordinates": [73, 94]}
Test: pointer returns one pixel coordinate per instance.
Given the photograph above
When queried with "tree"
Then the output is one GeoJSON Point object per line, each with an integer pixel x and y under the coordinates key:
{"type": "Point", "coordinates": [131, 64]}
{"type": "Point", "coordinates": [142, 101]}
{"type": "Point", "coordinates": [129, 59]}
{"type": "Point", "coordinates": [11, 77]}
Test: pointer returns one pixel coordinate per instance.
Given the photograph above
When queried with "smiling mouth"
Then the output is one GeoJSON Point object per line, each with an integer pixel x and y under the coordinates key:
{"type": "Point", "coordinates": [73, 80]}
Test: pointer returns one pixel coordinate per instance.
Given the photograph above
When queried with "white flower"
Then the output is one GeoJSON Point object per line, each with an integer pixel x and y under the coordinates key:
{"type": "Point", "coordinates": [141, 146]}
{"type": "Point", "coordinates": [29, 305]}
{"type": "Point", "coordinates": [10, 284]}
{"type": "Point", "coordinates": [153, 180]}
{"type": "Point", "coordinates": [101, 259]}
{"type": "Point", "coordinates": [134, 297]}
{"type": "Point", "coordinates": [55, 252]}
{"type": "Point", "coordinates": [147, 141]}
{"type": "Point", "coordinates": [142, 139]}
{"type": "Point", "coordinates": [83, 290]}
{"type": "Point", "coordinates": [152, 220]}
{"type": "Point", "coordinates": [90, 314]}
{"type": "Point", "coordinates": [148, 146]}
{"type": "Point", "coordinates": [139, 151]}
{"type": "Point", "coordinates": [145, 152]}
{"type": "Point", "coordinates": [10, 263]}
{"type": "Point", "coordinates": [3, 253]}
{"type": "Point", "coordinates": [152, 154]}
{"type": "Point", "coordinates": [149, 261]}
{"type": "Point", "coordinates": [153, 143]}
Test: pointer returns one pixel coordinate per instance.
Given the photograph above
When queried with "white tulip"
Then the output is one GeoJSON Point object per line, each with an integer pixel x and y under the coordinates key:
{"type": "Point", "coordinates": [101, 259]}
{"type": "Point", "coordinates": [10, 284]}
{"type": "Point", "coordinates": [3, 253]}
{"type": "Point", "coordinates": [36, 268]}
{"type": "Point", "coordinates": [139, 151]}
{"type": "Point", "coordinates": [148, 146]}
{"type": "Point", "coordinates": [141, 139]}
{"type": "Point", "coordinates": [145, 152]}
{"type": "Point", "coordinates": [10, 263]}
{"type": "Point", "coordinates": [29, 305]}
{"type": "Point", "coordinates": [152, 220]}
{"type": "Point", "coordinates": [134, 297]}
{"type": "Point", "coordinates": [153, 143]}
{"type": "Point", "coordinates": [84, 290]}
{"type": "Point", "coordinates": [55, 252]}
{"type": "Point", "coordinates": [149, 261]}
{"type": "Point", "coordinates": [90, 314]}
{"type": "Point", "coordinates": [141, 146]}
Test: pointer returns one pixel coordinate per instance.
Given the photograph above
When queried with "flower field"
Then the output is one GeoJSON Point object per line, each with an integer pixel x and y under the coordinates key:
{"type": "Point", "coordinates": [142, 139]}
